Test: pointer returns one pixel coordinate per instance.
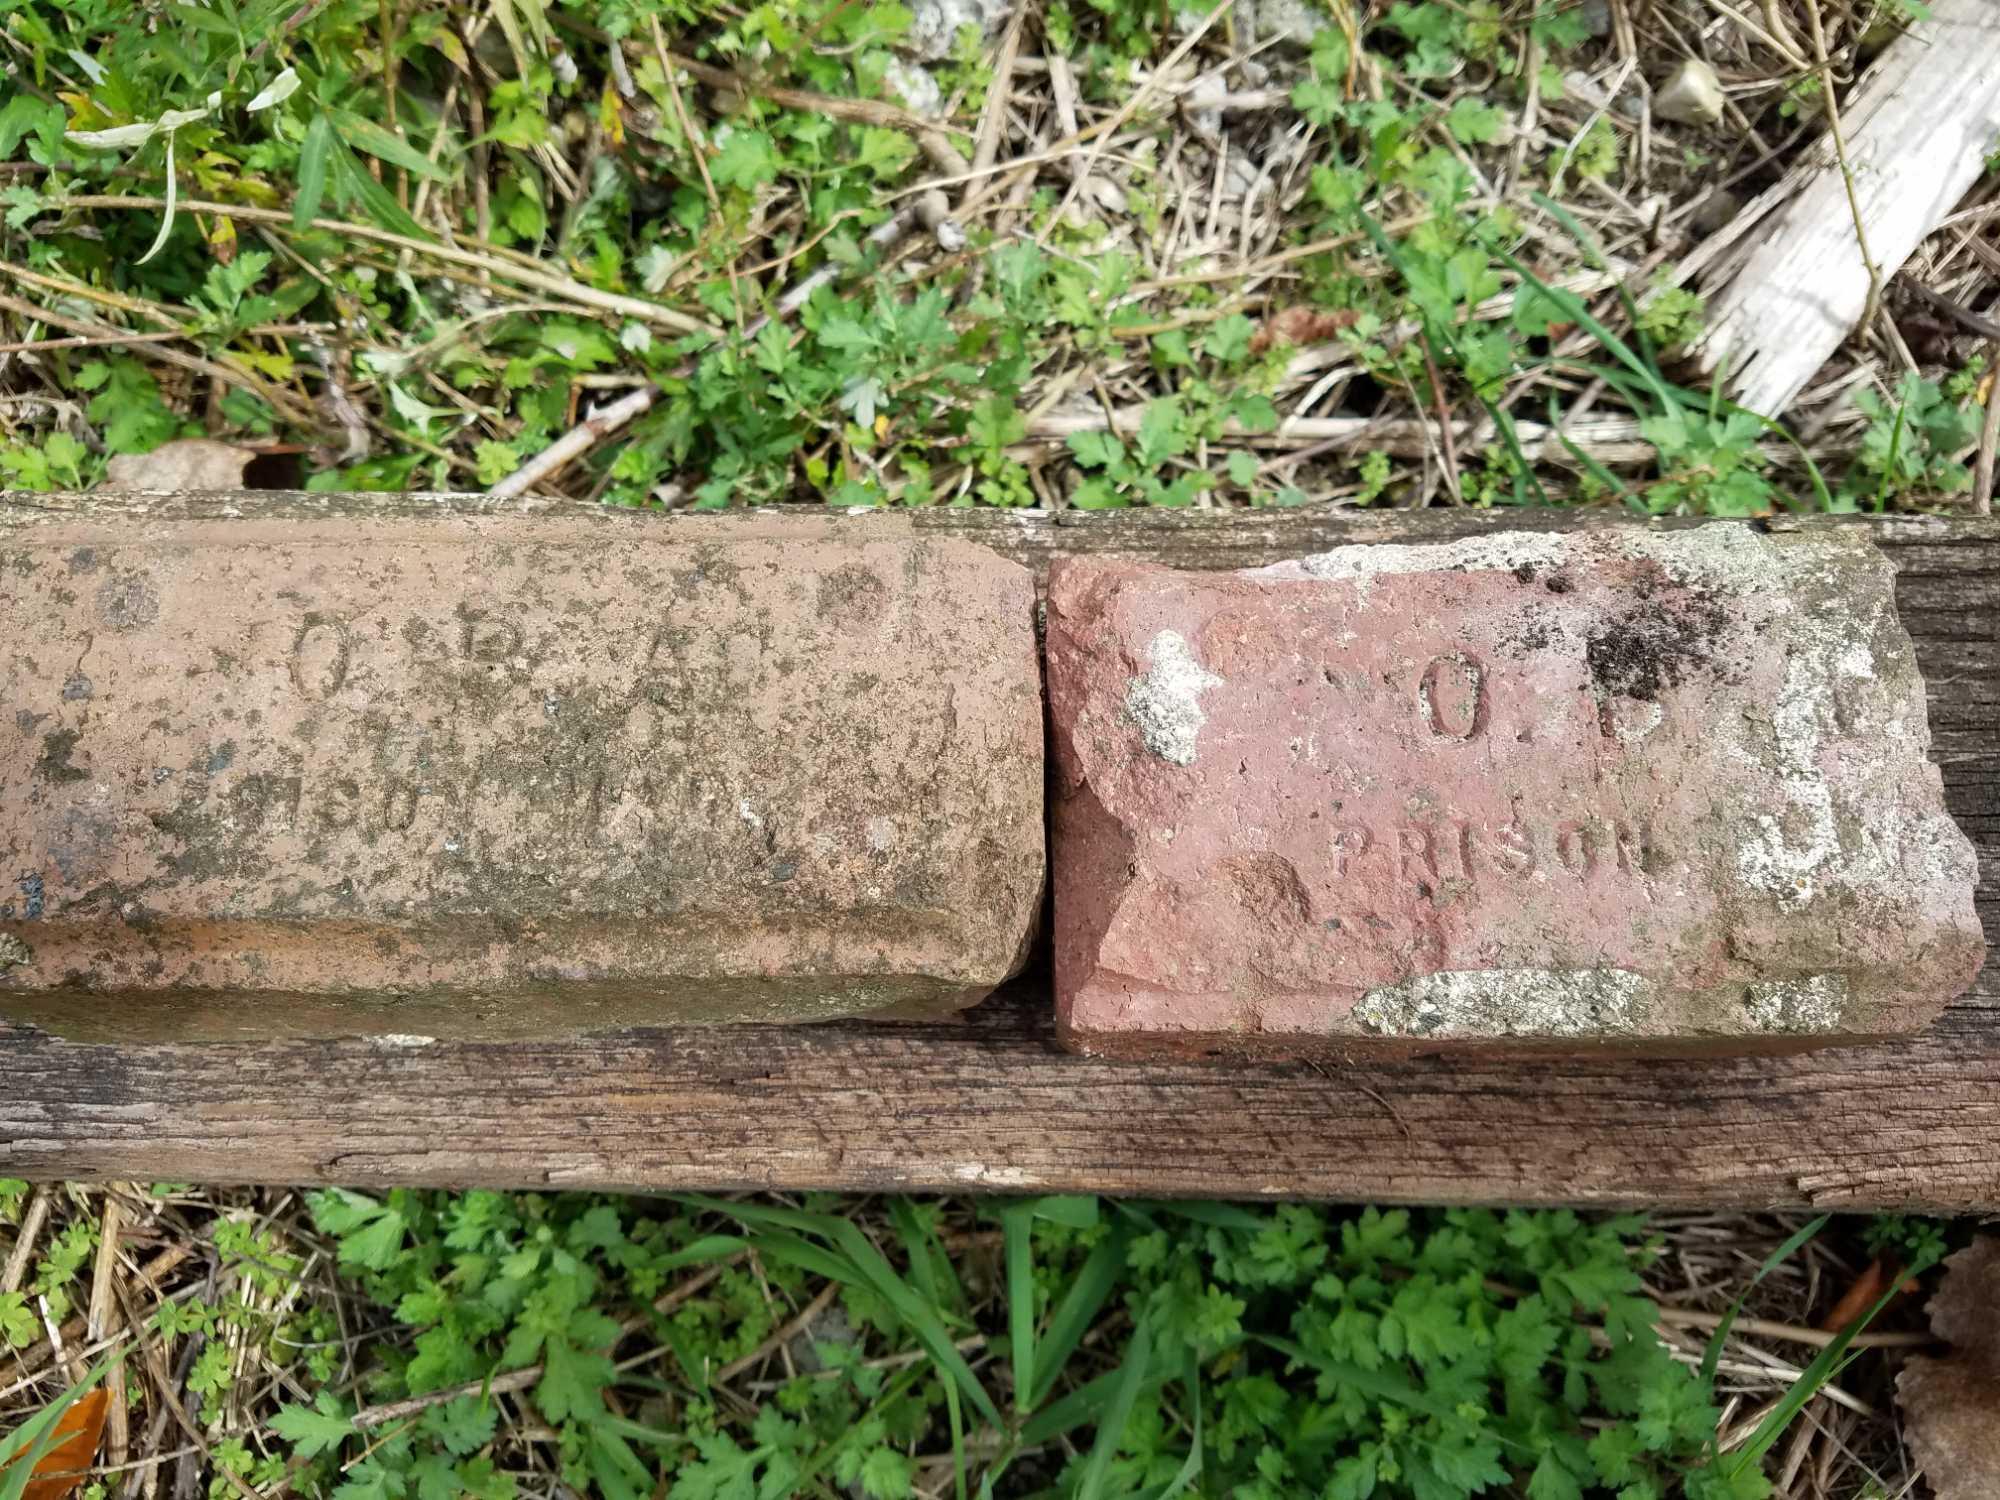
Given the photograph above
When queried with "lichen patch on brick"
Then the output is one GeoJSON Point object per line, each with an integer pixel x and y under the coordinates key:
{"type": "Point", "coordinates": [1545, 1003]}
{"type": "Point", "coordinates": [1813, 1003]}
{"type": "Point", "coordinates": [1165, 703]}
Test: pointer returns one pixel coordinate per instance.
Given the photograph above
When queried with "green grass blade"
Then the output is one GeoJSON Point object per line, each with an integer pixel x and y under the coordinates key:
{"type": "Point", "coordinates": [1016, 1232]}
{"type": "Point", "coordinates": [930, 1267]}
{"type": "Point", "coordinates": [923, 1320]}
{"type": "Point", "coordinates": [795, 1219]}
{"type": "Point", "coordinates": [1573, 307]}
{"type": "Point", "coordinates": [857, 1259]}
{"type": "Point", "coordinates": [777, 1245]}
{"type": "Point", "coordinates": [1523, 470]}
{"type": "Point", "coordinates": [1594, 254]}
{"type": "Point", "coordinates": [1127, 1382]}
{"type": "Point", "coordinates": [313, 160]}
{"type": "Point", "coordinates": [1813, 476]}
{"type": "Point", "coordinates": [1183, 1481]}
{"type": "Point", "coordinates": [1088, 1291]}
{"type": "Point", "coordinates": [385, 145]}
{"type": "Point", "coordinates": [1071, 1210]}
{"type": "Point", "coordinates": [27, 1444]}
{"type": "Point", "coordinates": [355, 184]}
{"type": "Point", "coordinates": [1776, 1258]}
{"type": "Point", "coordinates": [710, 1247]}
{"type": "Point", "coordinates": [1591, 466]}
{"type": "Point", "coordinates": [1078, 1408]}
{"type": "Point", "coordinates": [638, 1431]}
{"type": "Point", "coordinates": [1215, 1215]}
{"type": "Point", "coordinates": [955, 1417]}
{"type": "Point", "coordinates": [1647, 367]}
{"type": "Point", "coordinates": [1826, 1365]}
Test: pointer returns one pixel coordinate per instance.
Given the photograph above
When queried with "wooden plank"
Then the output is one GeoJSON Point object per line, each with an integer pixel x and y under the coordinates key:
{"type": "Point", "coordinates": [1918, 131]}
{"type": "Point", "coordinates": [989, 1102]}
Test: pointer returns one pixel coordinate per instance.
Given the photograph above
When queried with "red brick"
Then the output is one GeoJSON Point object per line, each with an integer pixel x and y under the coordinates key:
{"type": "Point", "coordinates": [444, 772]}
{"type": "Point", "coordinates": [1658, 791]}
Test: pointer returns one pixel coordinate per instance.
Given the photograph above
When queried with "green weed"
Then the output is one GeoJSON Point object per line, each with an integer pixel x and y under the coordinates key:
{"type": "Point", "coordinates": [1910, 447]}
{"type": "Point", "coordinates": [1139, 1349]}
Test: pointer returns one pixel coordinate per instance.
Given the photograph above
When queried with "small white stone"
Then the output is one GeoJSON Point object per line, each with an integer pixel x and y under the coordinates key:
{"type": "Point", "coordinates": [1202, 103]}
{"type": "Point", "coordinates": [1692, 96]}
{"type": "Point", "coordinates": [935, 24]}
{"type": "Point", "coordinates": [917, 89]}
{"type": "Point", "coordinates": [1294, 22]}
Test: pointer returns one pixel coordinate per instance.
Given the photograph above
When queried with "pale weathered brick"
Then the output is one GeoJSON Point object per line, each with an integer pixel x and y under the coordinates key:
{"type": "Point", "coordinates": [429, 769]}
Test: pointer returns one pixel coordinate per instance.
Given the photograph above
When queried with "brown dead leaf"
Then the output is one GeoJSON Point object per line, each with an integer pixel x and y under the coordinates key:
{"type": "Point", "coordinates": [201, 464]}
{"type": "Point", "coordinates": [1951, 1406]}
{"type": "Point", "coordinates": [1301, 325]}
{"type": "Point", "coordinates": [1864, 1293]}
{"type": "Point", "coordinates": [65, 1461]}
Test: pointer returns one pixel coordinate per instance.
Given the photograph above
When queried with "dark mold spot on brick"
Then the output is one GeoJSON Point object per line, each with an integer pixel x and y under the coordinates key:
{"type": "Point", "coordinates": [56, 750]}
{"type": "Point", "coordinates": [128, 601]}
{"type": "Point", "coordinates": [852, 595]}
{"type": "Point", "coordinates": [1654, 645]}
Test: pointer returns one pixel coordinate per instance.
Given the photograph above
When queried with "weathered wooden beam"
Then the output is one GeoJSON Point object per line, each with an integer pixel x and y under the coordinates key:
{"type": "Point", "coordinates": [988, 1100]}
{"type": "Point", "coordinates": [1918, 131]}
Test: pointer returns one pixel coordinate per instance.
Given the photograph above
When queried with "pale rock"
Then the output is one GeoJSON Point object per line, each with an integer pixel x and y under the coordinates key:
{"type": "Point", "coordinates": [914, 86]}
{"type": "Point", "coordinates": [1692, 96]}
{"type": "Point", "coordinates": [935, 24]}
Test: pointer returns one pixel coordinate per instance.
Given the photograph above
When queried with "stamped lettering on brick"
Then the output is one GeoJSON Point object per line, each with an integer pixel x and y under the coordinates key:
{"type": "Point", "coordinates": [1651, 790]}
{"type": "Point", "coordinates": [519, 776]}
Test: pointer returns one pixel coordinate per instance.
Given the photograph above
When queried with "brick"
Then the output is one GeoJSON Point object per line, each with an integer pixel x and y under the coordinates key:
{"type": "Point", "coordinates": [1657, 791]}
{"type": "Point", "coordinates": [445, 772]}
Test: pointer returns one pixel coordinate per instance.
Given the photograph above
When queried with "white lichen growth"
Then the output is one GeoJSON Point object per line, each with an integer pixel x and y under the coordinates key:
{"type": "Point", "coordinates": [1165, 704]}
{"type": "Point", "coordinates": [1508, 1003]}
{"type": "Point", "coordinates": [1732, 559]}
{"type": "Point", "coordinates": [1796, 853]}
{"type": "Point", "coordinates": [1814, 1003]}
{"type": "Point", "coordinates": [1502, 552]}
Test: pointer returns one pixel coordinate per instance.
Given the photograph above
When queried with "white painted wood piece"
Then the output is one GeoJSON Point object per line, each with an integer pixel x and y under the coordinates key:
{"type": "Point", "coordinates": [1919, 129]}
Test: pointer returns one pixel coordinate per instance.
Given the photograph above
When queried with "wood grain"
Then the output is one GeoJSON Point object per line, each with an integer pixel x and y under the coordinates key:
{"type": "Point", "coordinates": [989, 1102]}
{"type": "Point", "coordinates": [1918, 128]}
